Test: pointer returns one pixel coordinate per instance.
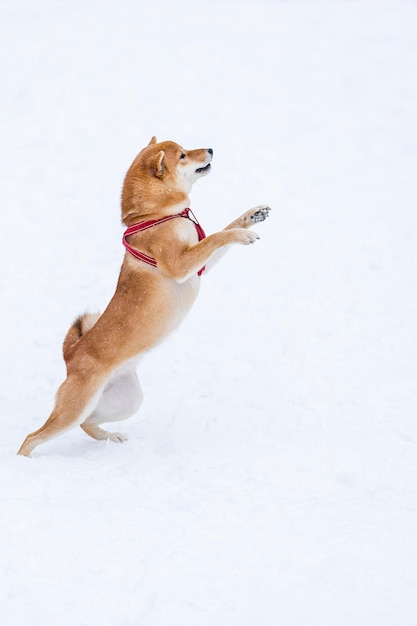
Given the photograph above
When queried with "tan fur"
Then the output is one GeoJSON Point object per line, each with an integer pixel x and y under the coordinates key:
{"type": "Point", "coordinates": [101, 351]}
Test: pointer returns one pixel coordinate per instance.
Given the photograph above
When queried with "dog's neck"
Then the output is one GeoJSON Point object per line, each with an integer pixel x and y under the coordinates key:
{"type": "Point", "coordinates": [150, 210]}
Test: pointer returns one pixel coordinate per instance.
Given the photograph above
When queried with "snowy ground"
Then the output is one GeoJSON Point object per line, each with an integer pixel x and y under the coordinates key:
{"type": "Point", "coordinates": [270, 477]}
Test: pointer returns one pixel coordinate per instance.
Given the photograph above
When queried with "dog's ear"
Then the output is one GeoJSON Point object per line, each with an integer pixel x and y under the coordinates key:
{"type": "Point", "coordinates": [159, 164]}
{"type": "Point", "coordinates": [153, 140]}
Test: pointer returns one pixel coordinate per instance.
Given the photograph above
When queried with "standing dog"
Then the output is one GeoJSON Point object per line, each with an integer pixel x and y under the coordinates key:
{"type": "Point", "coordinates": [159, 281]}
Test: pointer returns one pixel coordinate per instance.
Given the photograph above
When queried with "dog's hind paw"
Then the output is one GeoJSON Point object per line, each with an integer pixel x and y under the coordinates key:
{"type": "Point", "coordinates": [260, 214]}
{"type": "Point", "coordinates": [117, 437]}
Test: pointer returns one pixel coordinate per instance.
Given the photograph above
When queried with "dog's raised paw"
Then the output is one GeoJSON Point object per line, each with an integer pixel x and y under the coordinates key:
{"type": "Point", "coordinates": [260, 214]}
{"type": "Point", "coordinates": [249, 237]}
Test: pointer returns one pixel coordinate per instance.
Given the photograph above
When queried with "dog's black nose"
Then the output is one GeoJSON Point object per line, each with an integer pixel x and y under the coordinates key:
{"type": "Point", "coordinates": [210, 151]}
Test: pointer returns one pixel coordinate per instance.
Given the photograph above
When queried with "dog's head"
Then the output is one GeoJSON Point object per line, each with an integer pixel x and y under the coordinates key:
{"type": "Point", "coordinates": [160, 177]}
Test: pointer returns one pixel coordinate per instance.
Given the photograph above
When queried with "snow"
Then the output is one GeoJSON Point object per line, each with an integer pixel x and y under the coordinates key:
{"type": "Point", "coordinates": [270, 476]}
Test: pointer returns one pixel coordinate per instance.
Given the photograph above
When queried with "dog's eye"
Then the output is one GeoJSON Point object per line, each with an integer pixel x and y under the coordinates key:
{"type": "Point", "coordinates": [182, 155]}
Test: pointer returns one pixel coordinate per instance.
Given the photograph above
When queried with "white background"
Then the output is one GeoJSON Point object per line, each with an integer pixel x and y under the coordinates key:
{"type": "Point", "coordinates": [270, 477]}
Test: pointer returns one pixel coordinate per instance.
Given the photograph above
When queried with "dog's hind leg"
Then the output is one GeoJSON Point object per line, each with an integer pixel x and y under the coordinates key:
{"type": "Point", "coordinates": [76, 399]}
{"type": "Point", "coordinates": [120, 399]}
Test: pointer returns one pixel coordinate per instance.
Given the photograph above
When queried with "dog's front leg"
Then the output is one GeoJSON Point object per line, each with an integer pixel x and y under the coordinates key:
{"type": "Point", "coordinates": [190, 259]}
{"type": "Point", "coordinates": [253, 216]}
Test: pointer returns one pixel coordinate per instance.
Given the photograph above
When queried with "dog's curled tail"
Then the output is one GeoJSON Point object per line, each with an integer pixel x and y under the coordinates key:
{"type": "Point", "coordinates": [79, 328]}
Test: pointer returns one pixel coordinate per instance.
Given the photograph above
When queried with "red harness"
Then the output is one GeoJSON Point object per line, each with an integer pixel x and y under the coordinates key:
{"type": "Point", "coordinates": [136, 228]}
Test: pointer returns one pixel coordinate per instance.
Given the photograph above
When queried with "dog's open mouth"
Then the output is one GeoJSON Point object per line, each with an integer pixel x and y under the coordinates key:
{"type": "Point", "coordinates": [204, 169]}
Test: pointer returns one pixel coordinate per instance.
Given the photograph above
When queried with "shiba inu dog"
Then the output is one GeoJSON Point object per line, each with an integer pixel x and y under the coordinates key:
{"type": "Point", "coordinates": [166, 252]}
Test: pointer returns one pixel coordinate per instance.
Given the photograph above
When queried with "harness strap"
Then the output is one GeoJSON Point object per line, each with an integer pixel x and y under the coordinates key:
{"type": "Point", "coordinates": [136, 228]}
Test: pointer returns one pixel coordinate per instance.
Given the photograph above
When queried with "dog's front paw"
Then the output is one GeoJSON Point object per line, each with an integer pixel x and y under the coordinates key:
{"type": "Point", "coordinates": [243, 236]}
{"type": "Point", "coordinates": [259, 213]}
